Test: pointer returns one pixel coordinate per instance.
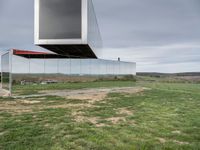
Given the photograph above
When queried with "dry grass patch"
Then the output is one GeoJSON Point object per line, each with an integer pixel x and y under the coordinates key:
{"type": "Point", "coordinates": [162, 140]}
{"type": "Point", "coordinates": [74, 106]}
{"type": "Point", "coordinates": [15, 107]}
{"type": "Point", "coordinates": [80, 117]}
{"type": "Point", "coordinates": [29, 102]}
{"type": "Point", "coordinates": [176, 132]}
{"type": "Point", "coordinates": [93, 120]}
{"type": "Point", "coordinates": [116, 120]}
{"type": "Point", "coordinates": [124, 111]}
{"type": "Point", "coordinates": [2, 133]}
{"type": "Point", "coordinates": [180, 142]}
{"type": "Point", "coordinates": [96, 120]}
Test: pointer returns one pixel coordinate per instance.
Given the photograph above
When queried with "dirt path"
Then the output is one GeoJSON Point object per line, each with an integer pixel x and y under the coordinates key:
{"type": "Point", "coordinates": [92, 94]}
{"type": "Point", "coordinates": [25, 104]}
{"type": "Point", "coordinates": [87, 94]}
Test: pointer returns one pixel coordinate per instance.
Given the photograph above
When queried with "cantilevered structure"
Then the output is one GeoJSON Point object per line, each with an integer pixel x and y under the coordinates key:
{"type": "Point", "coordinates": [67, 27]}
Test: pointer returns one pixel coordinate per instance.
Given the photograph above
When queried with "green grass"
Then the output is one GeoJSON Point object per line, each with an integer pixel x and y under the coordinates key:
{"type": "Point", "coordinates": [165, 117]}
{"type": "Point", "coordinates": [34, 89]}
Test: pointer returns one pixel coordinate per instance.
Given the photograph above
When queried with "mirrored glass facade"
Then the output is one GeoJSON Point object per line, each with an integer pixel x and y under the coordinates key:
{"type": "Point", "coordinates": [94, 36]}
{"type": "Point", "coordinates": [5, 71]}
{"type": "Point", "coordinates": [60, 19]}
{"type": "Point", "coordinates": [19, 70]}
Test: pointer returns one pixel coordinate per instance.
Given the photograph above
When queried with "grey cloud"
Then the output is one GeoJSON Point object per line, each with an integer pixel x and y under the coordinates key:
{"type": "Point", "coordinates": [16, 25]}
{"type": "Point", "coordinates": [144, 22]}
{"type": "Point", "coordinates": [161, 35]}
{"type": "Point", "coordinates": [159, 55]}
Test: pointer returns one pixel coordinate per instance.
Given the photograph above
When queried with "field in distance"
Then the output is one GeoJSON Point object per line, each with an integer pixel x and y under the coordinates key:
{"type": "Point", "coordinates": [151, 113]}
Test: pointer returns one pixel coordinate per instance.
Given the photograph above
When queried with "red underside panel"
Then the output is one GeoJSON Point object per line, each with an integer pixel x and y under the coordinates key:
{"type": "Point", "coordinates": [25, 52]}
{"type": "Point", "coordinates": [35, 54]}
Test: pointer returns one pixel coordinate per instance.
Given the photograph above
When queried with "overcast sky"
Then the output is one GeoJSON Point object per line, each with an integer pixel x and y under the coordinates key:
{"type": "Point", "coordinates": [160, 35]}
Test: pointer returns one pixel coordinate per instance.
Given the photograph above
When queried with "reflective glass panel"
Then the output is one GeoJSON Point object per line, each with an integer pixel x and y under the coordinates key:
{"type": "Point", "coordinates": [60, 19]}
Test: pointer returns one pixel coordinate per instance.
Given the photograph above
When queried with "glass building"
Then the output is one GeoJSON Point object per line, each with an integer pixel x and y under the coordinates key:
{"type": "Point", "coordinates": [31, 67]}
{"type": "Point", "coordinates": [68, 28]}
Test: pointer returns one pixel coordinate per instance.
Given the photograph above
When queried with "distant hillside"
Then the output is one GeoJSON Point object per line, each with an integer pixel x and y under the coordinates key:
{"type": "Point", "coordinates": [188, 74]}
{"type": "Point", "coordinates": [157, 74]}
{"type": "Point", "coordinates": [189, 77]}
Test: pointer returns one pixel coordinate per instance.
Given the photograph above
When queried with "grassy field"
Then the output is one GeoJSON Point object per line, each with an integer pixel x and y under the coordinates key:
{"type": "Point", "coordinates": [163, 116]}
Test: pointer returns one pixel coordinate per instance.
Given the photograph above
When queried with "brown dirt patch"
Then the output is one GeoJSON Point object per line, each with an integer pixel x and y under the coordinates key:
{"type": "Point", "coordinates": [92, 95]}
{"type": "Point", "coordinates": [116, 120]}
{"type": "Point", "coordinates": [95, 120]}
{"type": "Point", "coordinates": [15, 107]}
{"type": "Point", "coordinates": [92, 120]}
{"type": "Point", "coordinates": [21, 106]}
{"type": "Point", "coordinates": [26, 104]}
{"type": "Point", "coordinates": [29, 102]}
{"type": "Point", "coordinates": [124, 111]}
{"type": "Point", "coordinates": [74, 106]}
{"type": "Point", "coordinates": [16, 110]}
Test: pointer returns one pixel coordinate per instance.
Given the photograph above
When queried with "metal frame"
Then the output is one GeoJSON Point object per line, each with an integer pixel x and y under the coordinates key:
{"type": "Point", "coordinates": [84, 28]}
{"type": "Point", "coordinates": [10, 70]}
{"type": "Point", "coordinates": [10, 53]}
{"type": "Point", "coordinates": [1, 73]}
{"type": "Point", "coordinates": [7, 52]}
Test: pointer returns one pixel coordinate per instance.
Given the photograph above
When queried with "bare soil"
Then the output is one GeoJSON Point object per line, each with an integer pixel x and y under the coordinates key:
{"type": "Point", "coordinates": [92, 95]}
{"type": "Point", "coordinates": [26, 104]}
